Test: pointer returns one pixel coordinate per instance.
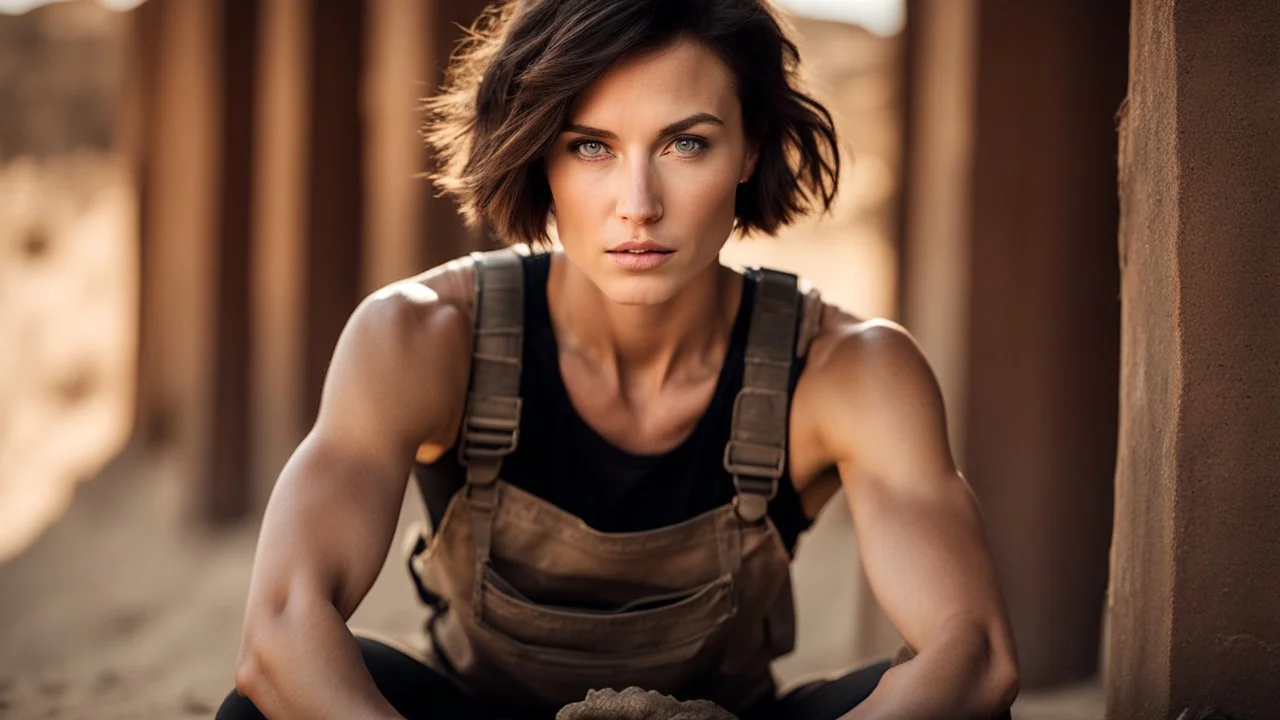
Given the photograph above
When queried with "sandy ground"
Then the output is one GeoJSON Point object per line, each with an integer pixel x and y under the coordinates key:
{"type": "Point", "coordinates": [123, 610]}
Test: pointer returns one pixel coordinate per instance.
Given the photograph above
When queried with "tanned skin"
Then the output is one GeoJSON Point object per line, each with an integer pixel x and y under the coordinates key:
{"type": "Point", "coordinates": [640, 352]}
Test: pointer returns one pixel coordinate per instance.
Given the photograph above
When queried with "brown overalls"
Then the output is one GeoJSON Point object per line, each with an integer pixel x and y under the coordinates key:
{"type": "Point", "coordinates": [533, 608]}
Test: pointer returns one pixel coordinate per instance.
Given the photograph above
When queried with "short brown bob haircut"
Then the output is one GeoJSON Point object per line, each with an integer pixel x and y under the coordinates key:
{"type": "Point", "coordinates": [510, 86]}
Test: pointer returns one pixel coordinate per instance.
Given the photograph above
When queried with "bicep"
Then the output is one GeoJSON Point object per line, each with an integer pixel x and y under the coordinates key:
{"type": "Point", "coordinates": [919, 528]}
{"type": "Point", "coordinates": [393, 384]}
{"type": "Point", "coordinates": [327, 528]}
{"type": "Point", "coordinates": [925, 554]}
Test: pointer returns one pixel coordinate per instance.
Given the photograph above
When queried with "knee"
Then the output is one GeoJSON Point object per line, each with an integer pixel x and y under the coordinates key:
{"type": "Point", "coordinates": [238, 707]}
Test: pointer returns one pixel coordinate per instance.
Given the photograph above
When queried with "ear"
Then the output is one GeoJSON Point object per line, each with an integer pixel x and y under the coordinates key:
{"type": "Point", "coordinates": [749, 163]}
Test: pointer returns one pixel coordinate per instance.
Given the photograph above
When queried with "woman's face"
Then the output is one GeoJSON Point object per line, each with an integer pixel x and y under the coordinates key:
{"type": "Point", "coordinates": [643, 175]}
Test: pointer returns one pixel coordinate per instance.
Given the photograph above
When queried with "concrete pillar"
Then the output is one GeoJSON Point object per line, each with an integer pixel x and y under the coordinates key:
{"type": "Point", "coordinates": [1196, 559]}
{"type": "Point", "coordinates": [1012, 281]}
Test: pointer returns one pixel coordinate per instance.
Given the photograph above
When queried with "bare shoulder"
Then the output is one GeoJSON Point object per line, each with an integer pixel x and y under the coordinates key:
{"type": "Point", "coordinates": [430, 312]}
{"type": "Point", "coordinates": [848, 346]}
{"type": "Point", "coordinates": [867, 387]}
{"type": "Point", "coordinates": [401, 364]}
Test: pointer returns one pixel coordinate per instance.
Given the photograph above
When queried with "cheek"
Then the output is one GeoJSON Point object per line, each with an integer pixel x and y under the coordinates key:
{"type": "Point", "coordinates": [706, 200]}
{"type": "Point", "coordinates": [579, 196]}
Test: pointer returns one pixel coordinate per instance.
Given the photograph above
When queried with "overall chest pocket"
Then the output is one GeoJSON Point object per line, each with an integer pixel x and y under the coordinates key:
{"type": "Point", "coordinates": [555, 654]}
{"type": "Point", "coordinates": [652, 630]}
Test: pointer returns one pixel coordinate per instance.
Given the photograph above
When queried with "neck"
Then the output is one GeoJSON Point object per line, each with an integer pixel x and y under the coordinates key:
{"type": "Point", "coordinates": [645, 345]}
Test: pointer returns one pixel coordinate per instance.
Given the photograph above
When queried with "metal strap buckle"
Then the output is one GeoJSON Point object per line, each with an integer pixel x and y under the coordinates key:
{"type": "Point", "coordinates": [485, 437]}
{"type": "Point", "coordinates": [748, 470]}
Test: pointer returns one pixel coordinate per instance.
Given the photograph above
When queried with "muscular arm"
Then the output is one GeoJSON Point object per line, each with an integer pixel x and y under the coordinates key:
{"type": "Point", "coordinates": [919, 529]}
{"type": "Point", "coordinates": [397, 379]}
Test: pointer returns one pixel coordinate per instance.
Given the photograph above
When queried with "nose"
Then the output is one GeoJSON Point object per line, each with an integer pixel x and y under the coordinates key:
{"type": "Point", "coordinates": [639, 201]}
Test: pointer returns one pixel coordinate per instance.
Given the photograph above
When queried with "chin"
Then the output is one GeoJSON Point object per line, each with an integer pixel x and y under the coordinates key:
{"type": "Point", "coordinates": [645, 289]}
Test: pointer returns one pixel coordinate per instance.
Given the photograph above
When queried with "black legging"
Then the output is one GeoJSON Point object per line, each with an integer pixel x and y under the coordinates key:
{"type": "Point", "coordinates": [418, 692]}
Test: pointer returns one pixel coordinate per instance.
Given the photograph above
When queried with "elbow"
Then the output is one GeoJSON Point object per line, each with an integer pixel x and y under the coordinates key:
{"type": "Point", "coordinates": [250, 675]}
{"type": "Point", "coordinates": [255, 659]}
{"type": "Point", "coordinates": [1005, 685]}
{"type": "Point", "coordinates": [268, 642]}
{"type": "Point", "coordinates": [999, 680]}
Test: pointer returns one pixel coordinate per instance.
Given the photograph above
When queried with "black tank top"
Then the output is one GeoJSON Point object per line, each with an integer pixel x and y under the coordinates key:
{"type": "Point", "coordinates": [563, 460]}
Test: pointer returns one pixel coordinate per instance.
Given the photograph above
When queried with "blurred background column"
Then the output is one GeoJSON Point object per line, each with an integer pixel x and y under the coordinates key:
{"type": "Point", "coordinates": [195, 100]}
{"type": "Point", "coordinates": [283, 132]}
{"type": "Point", "coordinates": [1010, 276]}
{"type": "Point", "coordinates": [407, 225]}
{"type": "Point", "coordinates": [182, 158]}
{"type": "Point", "coordinates": [335, 178]}
{"type": "Point", "coordinates": [279, 167]}
{"type": "Point", "coordinates": [445, 236]}
{"type": "Point", "coordinates": [1196, 558]}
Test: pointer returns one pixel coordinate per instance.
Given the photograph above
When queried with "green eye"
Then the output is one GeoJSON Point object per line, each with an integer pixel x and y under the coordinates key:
{"type": "Point", "coordinates": [590, 148]}
{"type": "Point", "coordinates": [688, 145]}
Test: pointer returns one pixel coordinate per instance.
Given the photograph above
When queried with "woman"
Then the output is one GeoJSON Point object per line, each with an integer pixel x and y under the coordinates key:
{"type": "Point", "coordinates": [619, 443]}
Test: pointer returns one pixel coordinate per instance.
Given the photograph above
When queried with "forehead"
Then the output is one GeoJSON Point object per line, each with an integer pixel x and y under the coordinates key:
{"type": "Point", "coordinates": [675, 81]}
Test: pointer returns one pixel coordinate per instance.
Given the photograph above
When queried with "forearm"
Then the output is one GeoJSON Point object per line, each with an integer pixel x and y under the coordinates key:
{"type": "Point", "coordinates": [958, 675]}
{"type": "Point", "coordinates": [303, 662]}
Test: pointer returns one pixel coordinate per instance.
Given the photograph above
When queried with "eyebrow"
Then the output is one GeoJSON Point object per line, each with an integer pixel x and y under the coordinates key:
{"type": "Point", "coordinates": [673, 128]}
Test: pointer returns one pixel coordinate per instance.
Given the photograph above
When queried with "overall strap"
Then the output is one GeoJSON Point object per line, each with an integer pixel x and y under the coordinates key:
{"type": "Point", "coordinates": [756, 453]}
{"type": "Point", "coordinates": [491, 426]}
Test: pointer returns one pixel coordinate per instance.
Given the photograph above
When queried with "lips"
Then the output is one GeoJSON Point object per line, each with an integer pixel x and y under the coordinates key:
{"type": "Point", "coordinates": [639, 246]}
{"type": "Point", "coordinates": [638, 255]}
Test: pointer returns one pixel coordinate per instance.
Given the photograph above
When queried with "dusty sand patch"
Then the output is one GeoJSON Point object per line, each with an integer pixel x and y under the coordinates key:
{"type": "Point", "coordinates": [124, 610]}
{"type": "Point", "coordinates": [67, 331]}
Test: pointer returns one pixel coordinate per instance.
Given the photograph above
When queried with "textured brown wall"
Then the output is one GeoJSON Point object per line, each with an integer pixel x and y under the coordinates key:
{"type": "Point", "coordinates": [1141, 584]}
{"type": "Point", "coordinates": [1196, 570]}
